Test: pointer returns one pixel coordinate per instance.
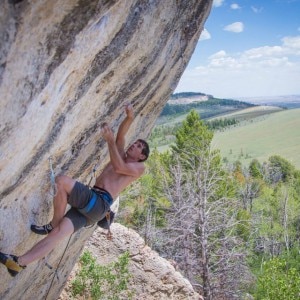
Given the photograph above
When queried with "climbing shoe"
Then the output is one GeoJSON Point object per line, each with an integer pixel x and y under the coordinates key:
{"type": "Point", "coordinates": [44, 229]}
{"type": "Point", "coordinates": [11, 263]}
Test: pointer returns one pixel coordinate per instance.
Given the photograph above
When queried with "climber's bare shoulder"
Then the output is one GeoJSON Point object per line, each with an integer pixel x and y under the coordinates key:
{"type": "Point", "coordinates": [115, 182]}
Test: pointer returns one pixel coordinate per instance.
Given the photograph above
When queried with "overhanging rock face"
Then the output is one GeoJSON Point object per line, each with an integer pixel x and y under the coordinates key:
{"type": "Point", "coordinates": [66, 67]}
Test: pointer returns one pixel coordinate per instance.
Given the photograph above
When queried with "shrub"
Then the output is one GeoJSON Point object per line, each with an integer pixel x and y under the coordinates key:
{"type": "Point", "coordinates": [278, 281]}
{"type": "Point", "coordinates": [102, 282]}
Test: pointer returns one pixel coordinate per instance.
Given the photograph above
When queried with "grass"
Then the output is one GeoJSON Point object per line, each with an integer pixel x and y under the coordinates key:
{"type": "Point", "coordinates": [277, 133]}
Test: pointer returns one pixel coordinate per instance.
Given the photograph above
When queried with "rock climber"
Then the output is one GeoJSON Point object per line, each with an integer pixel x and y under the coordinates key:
{"type": "Point", "coordinates": [88, 205]}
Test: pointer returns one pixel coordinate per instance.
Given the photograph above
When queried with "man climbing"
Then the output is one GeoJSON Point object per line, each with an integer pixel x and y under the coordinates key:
{"type": "Point", "coordinates": [88, 206]}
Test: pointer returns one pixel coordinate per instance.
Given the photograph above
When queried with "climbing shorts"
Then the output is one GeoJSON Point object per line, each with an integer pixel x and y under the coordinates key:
{"type": "Point", "coordinates": [88, 205]}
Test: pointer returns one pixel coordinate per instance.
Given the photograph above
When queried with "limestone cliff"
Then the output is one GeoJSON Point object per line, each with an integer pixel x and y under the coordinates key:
{"type": "Point", "coordinates": [65, 67]}
{"type": "Point", "coordinates": [152, 277]}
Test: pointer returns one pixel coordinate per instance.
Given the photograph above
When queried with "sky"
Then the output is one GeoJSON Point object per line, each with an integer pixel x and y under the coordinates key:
{"type": "Point", "coordinates": [248, 48]}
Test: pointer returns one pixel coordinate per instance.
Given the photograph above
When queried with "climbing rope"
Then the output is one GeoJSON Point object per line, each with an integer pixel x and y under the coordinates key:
{"type": "Point", "coordinates": [53, 184]}
{"type": "Point", "coordinates": [55, 271]}
{"type": "Point", "coordinates": [52, 178]}
{"type": "Point", "coordinates": [54, 189]}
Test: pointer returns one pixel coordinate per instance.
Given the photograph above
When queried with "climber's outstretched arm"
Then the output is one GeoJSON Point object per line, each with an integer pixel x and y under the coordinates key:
{"type": "Point", "coordinates": [121, 164]}
{"type": "Point", "coordinates": [124, 127]}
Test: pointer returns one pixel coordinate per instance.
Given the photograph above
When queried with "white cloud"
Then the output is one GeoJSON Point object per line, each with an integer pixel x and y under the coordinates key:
{"type": "Point", "coordinates": [217, 3]}
{"type": "Point", "coordinates": [292, 44]}
{"type": "Point", "coordinates": [219, 54]}
{"type": "Point", "coordinates": [261, 71]}
{"type": "Point", "coordinates": [205, 35]}
{"type": "Point", "coordinates": [257, 10]}
{"type": "Point", "coordinates": [265, 51]}
{"type": "Point", "coordinates": [235, 27]}
{"type": "Point", "coordinates": [275, 62]}
{"type": "Point", "coordinates": [235, 6]}
{"type": "Point", "coordinates": [260, 56]}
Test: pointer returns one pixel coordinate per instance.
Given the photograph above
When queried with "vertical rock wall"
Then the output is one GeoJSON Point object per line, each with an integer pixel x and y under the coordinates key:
{"type": "Point", "coordinates": [65, 67]}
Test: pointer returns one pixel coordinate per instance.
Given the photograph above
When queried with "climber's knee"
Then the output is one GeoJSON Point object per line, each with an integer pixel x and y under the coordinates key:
{"type": "Point", "coordinates": [61, 179]}
{"type": "Point", "coordinates": [64, 183]}
{"type": "Point", "coordinates": [65, 228]}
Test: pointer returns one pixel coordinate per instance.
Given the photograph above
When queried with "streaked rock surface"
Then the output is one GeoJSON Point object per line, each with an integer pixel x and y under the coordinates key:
{"type": "Point", "coordinates": [65, 67]}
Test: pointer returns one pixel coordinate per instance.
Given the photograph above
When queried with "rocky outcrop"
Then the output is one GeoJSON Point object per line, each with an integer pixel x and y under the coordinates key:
{"type": "Point", "coordinates": [65, 67]}
{"type": "Point", "coordinates": [152, 277]}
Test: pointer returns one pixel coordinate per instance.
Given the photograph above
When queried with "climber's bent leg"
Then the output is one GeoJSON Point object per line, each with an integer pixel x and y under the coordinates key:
{"type": "Point", "coordinates": [65, 186]}
{"type": "Point", "coordinates": [43, 247]}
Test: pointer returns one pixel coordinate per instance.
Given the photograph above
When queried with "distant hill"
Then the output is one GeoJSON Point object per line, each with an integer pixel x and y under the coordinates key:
{"type": "Point", "coordinates": [250, 113]}
{"type": "Point", "coordinates": [289, 101]}
{"type": "Point", "coordinates": [187, 95]}
{"type": "Point", "coordinates": [206, 105]}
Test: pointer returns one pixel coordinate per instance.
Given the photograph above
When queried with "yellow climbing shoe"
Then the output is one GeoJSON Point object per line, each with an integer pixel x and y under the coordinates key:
{"type": "Point", "coordinates": [11, 263]}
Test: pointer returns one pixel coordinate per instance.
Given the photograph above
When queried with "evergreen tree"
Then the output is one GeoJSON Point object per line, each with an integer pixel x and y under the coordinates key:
{"type": "Point", "coordinates": [193, 138]}
{"type": "Point", "coordinates": [255, 169]}
{"type": "Point", "coordinates": [280, 169]}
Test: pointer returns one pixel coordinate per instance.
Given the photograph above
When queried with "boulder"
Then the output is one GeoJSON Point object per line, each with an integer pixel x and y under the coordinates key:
{"type": "Point", "coordinates": [152, 277]}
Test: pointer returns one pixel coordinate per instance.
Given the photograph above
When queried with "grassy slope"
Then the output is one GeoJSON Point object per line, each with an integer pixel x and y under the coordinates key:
{"type": "Point", "coordinates": [278, 133]}
{"type": "Point", "coordinates": [242, 116]}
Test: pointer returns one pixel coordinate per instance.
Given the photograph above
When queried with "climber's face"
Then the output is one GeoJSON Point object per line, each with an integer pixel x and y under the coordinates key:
{"type": "Point", "coordinates": [135, 151]}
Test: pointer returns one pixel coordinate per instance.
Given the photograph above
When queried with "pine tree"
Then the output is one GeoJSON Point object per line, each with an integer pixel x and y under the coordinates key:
{"type": "Point", "coordinates": [193, 137]}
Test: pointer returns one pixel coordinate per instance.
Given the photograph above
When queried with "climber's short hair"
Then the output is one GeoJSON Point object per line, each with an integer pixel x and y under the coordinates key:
{"type": "Point", "coordinates": [146, 149]}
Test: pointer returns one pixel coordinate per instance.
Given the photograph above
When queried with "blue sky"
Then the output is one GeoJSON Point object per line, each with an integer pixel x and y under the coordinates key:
{"type": "Point", "coordinates": [248, 48]}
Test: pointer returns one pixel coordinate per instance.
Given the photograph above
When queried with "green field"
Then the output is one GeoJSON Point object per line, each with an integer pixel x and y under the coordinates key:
{"type": "Point", "coordinates": [276, 133]}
